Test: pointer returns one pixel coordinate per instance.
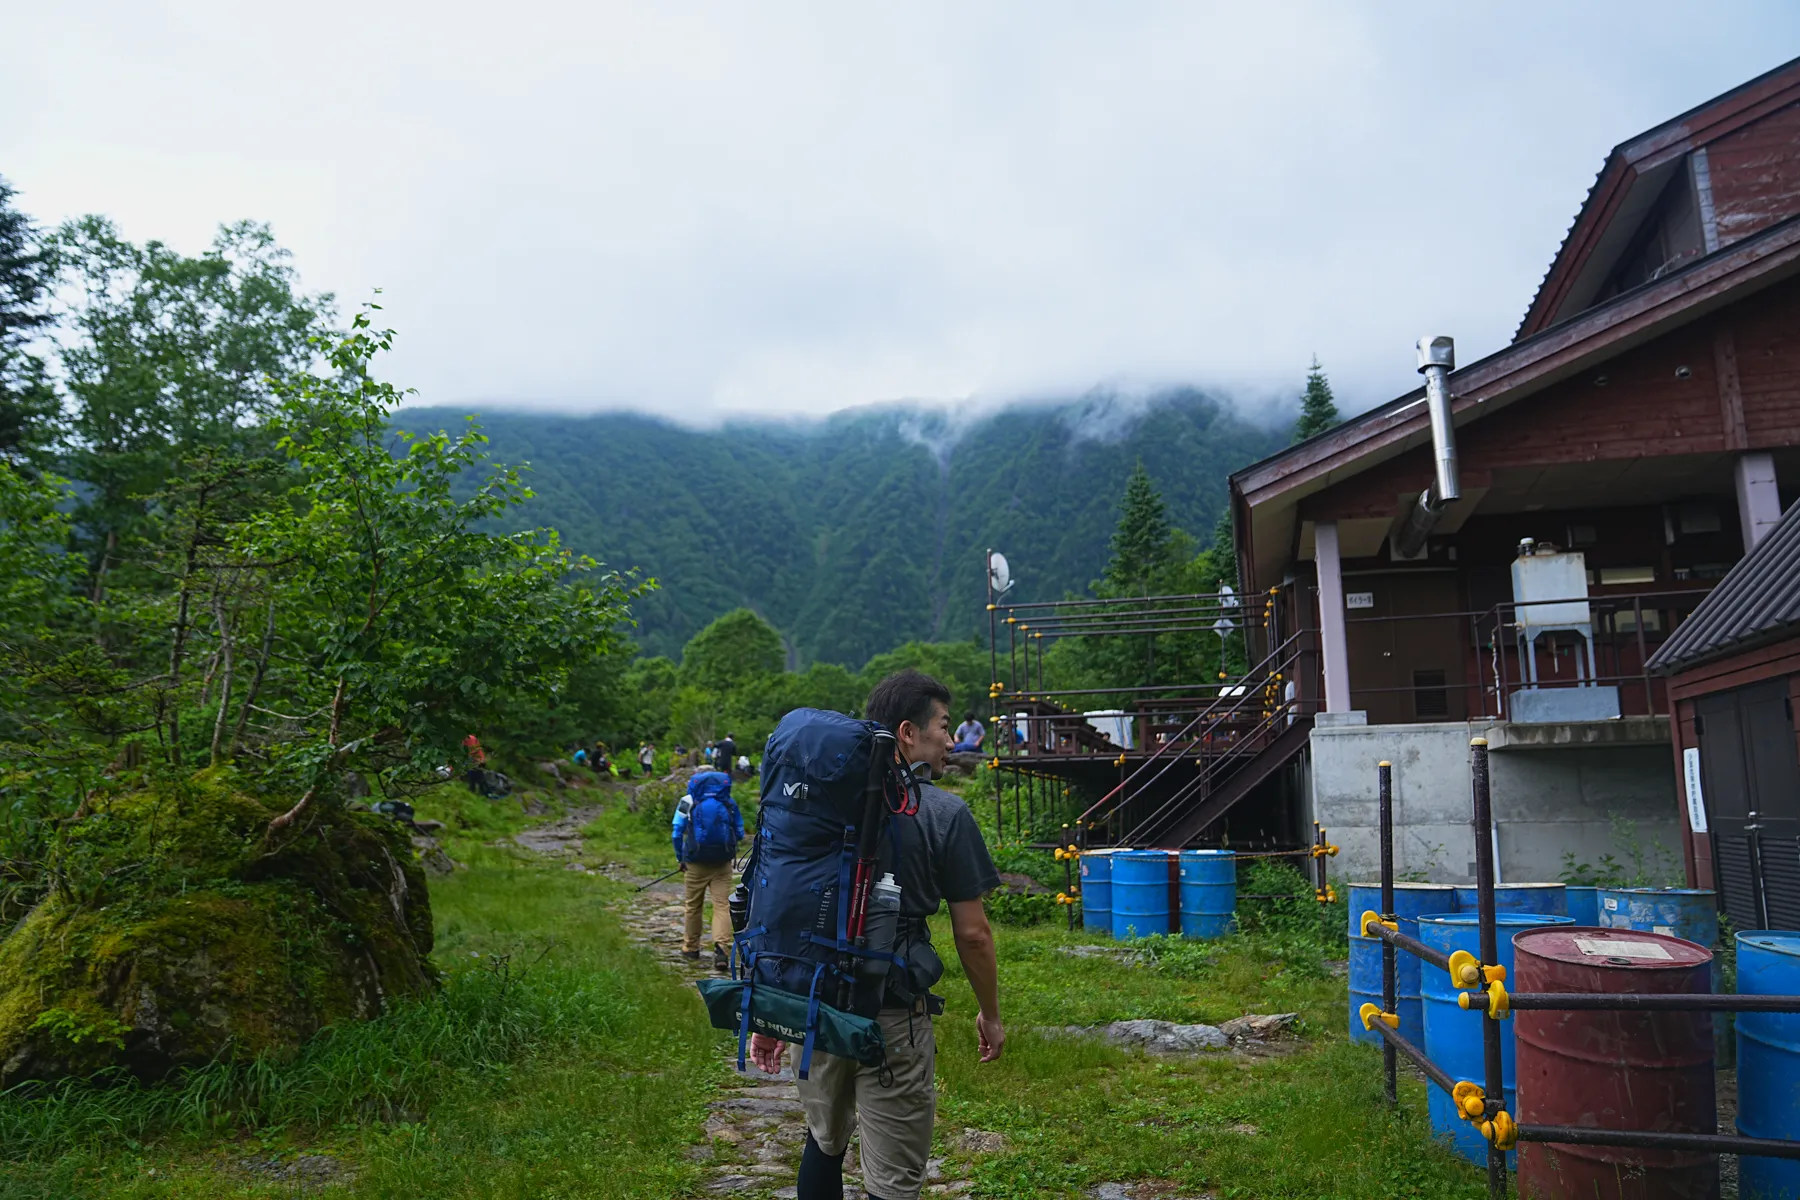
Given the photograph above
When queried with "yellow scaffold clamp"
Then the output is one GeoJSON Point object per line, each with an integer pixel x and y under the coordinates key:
{"type": "Point", "coordinates": [1371, 1013]}
{"type": "Point", "coordinates": [1067, 852]}
{"type": "Point", "coordinates": [1064, 898]}
{"type": "Point", "coordinates": [1471, 1105]}
{"type": "Point", "coordinates": [1371, 917]}
{"type": "Point", "coordinates": [1498, 1006]}
{"type": "Point", "coordinates": [1117, 762]}
{"type": "Point", "coordinates": [1325, 895]}
{"type": "Point", "coordinates": [1466, 972]}
{"type": "Point", "coordinates": [1326, 851]}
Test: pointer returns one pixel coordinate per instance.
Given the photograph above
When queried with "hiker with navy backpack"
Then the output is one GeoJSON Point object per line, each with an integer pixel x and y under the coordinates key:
{"type": "Point", "coordinates": [854, 850]}
{"type": "Point", "coordinates": [706, 831]}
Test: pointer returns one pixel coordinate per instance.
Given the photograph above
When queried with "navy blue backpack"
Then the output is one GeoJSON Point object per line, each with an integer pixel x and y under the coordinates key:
{"type": "Point", "coordinates": [711, 835]}
{"type": "Point", "coordinates": [835, 806]}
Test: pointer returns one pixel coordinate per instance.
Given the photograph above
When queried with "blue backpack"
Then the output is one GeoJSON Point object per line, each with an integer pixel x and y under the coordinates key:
{"type": "Point", "coordinates": [835, 806]}
{"type": "Point", "coordinates": [712, 824]}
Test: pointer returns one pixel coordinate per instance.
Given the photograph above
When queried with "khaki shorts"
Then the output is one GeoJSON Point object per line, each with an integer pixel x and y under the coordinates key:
{"type": "Point", "coordinates": [894, 1106]}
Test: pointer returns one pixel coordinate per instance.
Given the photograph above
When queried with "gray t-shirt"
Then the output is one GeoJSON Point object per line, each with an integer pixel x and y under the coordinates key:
{"type": "Point", "coordinates": [941, 855]}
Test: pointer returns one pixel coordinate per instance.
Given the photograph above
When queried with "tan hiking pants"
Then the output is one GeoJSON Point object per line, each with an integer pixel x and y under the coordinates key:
{"type": "Point", "coordinates": [701, 878]}
{"type": "Point", "coordinates": [893, 1107]}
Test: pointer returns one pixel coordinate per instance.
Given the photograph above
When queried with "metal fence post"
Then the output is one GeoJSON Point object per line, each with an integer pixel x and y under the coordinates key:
{"type": "Point", "coordinates": [1483, 826]}
{"type": "Point", "coordinates": [1389, 999]}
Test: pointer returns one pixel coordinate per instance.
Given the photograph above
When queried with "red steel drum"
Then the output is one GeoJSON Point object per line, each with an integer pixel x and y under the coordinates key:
{"type": "Point", "coordinates": [1614, 1070]}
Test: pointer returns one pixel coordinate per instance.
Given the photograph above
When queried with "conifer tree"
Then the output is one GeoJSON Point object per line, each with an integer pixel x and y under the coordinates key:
{"type": "Point", "coordinates": [1318, 412]}
{"type": "Point", "coordinates": [27, 399]}
{"type": "Point", "coordinates": [1142, 547]}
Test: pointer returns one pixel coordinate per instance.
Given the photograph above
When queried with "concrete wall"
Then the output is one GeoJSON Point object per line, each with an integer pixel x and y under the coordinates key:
{"type": "Point", "coordinates": [1555, 789]}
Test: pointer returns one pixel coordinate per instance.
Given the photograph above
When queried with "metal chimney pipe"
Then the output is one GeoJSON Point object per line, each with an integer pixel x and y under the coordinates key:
{"type": "Point", "coordinates": [1437, 358]}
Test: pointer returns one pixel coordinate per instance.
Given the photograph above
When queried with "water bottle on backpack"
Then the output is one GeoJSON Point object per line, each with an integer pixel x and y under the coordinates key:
{"type": "Point", "coordinates": [880, 927]}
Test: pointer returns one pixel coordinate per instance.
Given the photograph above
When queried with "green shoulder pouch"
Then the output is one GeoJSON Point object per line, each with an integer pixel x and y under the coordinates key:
{"type": "Point", "coordinates": [782, 1014]}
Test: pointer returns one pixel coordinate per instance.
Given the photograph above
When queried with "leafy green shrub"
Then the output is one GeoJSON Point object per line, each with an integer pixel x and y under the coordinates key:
{"type": "Point", "coordinates": [1647, 864]}
{"type": "Point", "coordinates": [1019, 908]}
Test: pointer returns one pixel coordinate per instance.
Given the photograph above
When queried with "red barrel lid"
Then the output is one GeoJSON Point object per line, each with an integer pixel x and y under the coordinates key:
{"type": "Point", "coordinates": [1585, 946]}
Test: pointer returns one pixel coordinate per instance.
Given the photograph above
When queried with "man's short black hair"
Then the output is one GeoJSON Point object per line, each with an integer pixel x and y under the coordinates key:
{"type": "Point", "coordinates": [906, 696]}
{"type": "Point", "coordinates": [968, 716]}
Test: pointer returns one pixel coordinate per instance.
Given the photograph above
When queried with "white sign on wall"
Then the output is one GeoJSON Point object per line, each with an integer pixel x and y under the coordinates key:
{"type": "Point", "coordinates": [1359, 599]}
{"type": "Point", "coordinates": [1690, 770]}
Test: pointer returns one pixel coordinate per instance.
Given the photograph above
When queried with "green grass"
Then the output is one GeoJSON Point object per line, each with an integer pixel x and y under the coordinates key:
{"type": "Point", "coordinates": [1076, 1113]}
{"type": "Point", "coordinates": [561, 1061]}
{"type": "Point", "coordinates": [558, 1061]}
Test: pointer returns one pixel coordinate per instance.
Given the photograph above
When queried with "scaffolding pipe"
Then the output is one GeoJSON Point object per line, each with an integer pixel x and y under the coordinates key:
{"type": "Point", "coordinates": [1650, 1139]}
{"type": "Point", "coordinates": [1490, 952]}
{"type": "Point", "coordinates": [1660, 1002]}
{"type": "Point", "coordinates": [1389, 992]}
{"type": "Point", "coordinates": [1433, 1072]}
{"type": "Point", "coordinates": [1412, 946]}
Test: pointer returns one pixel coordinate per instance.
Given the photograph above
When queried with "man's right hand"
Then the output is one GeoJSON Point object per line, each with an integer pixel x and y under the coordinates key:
{"type": "Point", "coordinates": [990, 1037]}
{"type": "Point", "coordinates": [681, 866]}
{"type": "Point", "coordinates": [767, 1052]}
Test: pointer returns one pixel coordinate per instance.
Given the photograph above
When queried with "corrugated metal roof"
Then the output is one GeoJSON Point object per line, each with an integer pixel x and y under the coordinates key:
{"type": "Point", "coordinates": [1758, 601]}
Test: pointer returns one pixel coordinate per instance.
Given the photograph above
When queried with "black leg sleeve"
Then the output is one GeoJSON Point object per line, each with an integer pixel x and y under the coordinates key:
{"type": "Point", "coordinates": [821, 1174]}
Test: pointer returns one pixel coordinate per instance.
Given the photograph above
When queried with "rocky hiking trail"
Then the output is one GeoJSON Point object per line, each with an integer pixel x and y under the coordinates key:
{"type": "Point", "coordinates": [754, 1125]}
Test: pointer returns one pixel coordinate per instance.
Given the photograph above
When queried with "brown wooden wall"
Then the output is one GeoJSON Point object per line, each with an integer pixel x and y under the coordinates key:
{"type": "Point", "coordinates": [1756, 175]}
{"type": "Point", "coordinates": [1644, 409]}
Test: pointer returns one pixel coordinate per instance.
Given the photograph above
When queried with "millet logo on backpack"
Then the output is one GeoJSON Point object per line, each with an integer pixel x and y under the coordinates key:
{"type": "Point", "coordinates": [794, 789]}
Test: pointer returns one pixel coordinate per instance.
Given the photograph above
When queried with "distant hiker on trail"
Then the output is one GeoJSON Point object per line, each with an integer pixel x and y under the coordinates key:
{"type": "Point", "coordinates": [941, 858]}
{"type": "Point", "coordinates": [579, 758]}
{"type": "Point", "coordinates": [968, 736]}
{"type": "Point", "coordinates": [646, 758]}
{"type": "Point", "coordinates": [491, 784]}
{"type": "Point", "coordinates": [743, 766]}
{"type": "Point", "coordinates": [706, 831]}
{"type": "Point", "coordinates": [725, 755]}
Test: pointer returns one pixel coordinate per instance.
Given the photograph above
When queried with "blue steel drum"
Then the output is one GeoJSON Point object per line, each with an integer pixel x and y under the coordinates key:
{"type": "Point", "coordinates": [1208, 892]}
{"type": "Point", "coordinates": [1140, 892]}
{"type": "Point", "coordinates": [1584, 904]}
{"type": "Point", "coordinates": [1410, 900]}
{"type": "Point", "coordinates": [1550, 899]}
{"type": "Point", "coordinates": [1768, 1049]}
{"type": "Point", "coordinates": [1453, 1034]}
{"type": "Point", "coordinates": [1688, 913]}
{"type": "Point", "coordinates": [1096, 890]}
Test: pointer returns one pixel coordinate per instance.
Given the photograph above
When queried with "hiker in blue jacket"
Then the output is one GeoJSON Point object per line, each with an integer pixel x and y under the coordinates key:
{"type": "Point", "coordinates": [706, 831]}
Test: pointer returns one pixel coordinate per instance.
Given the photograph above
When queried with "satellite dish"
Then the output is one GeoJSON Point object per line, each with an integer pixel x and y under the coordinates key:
{"type": "Point", "coordinates": [999, 574]}
{"type": "Point", "coordinates": [1225, 624]}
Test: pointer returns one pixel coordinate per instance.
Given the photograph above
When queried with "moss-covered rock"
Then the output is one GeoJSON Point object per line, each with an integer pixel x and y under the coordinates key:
{"type": "Point", "coordinates": [174, 934]}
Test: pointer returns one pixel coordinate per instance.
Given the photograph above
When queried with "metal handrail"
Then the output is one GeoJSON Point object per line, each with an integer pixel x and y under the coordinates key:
{"type": "Point", "coordinates": [1259, 675]}
{"type": "Point", "coordinates": [1280, 716]}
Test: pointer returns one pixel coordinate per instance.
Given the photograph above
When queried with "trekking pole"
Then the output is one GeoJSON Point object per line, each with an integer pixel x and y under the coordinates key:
{"type": "Point", "coordinates": [868, 842]}
{"type": "Point", "coordinates": [659, 879]}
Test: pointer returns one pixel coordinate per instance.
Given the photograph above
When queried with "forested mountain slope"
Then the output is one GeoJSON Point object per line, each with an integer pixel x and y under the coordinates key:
{"type": "Point", "coordinates": [867, 529]}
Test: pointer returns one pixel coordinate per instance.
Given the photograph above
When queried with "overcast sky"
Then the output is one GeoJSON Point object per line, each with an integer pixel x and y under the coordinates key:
{"type": "Point", "coordinates": [709, 210]}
